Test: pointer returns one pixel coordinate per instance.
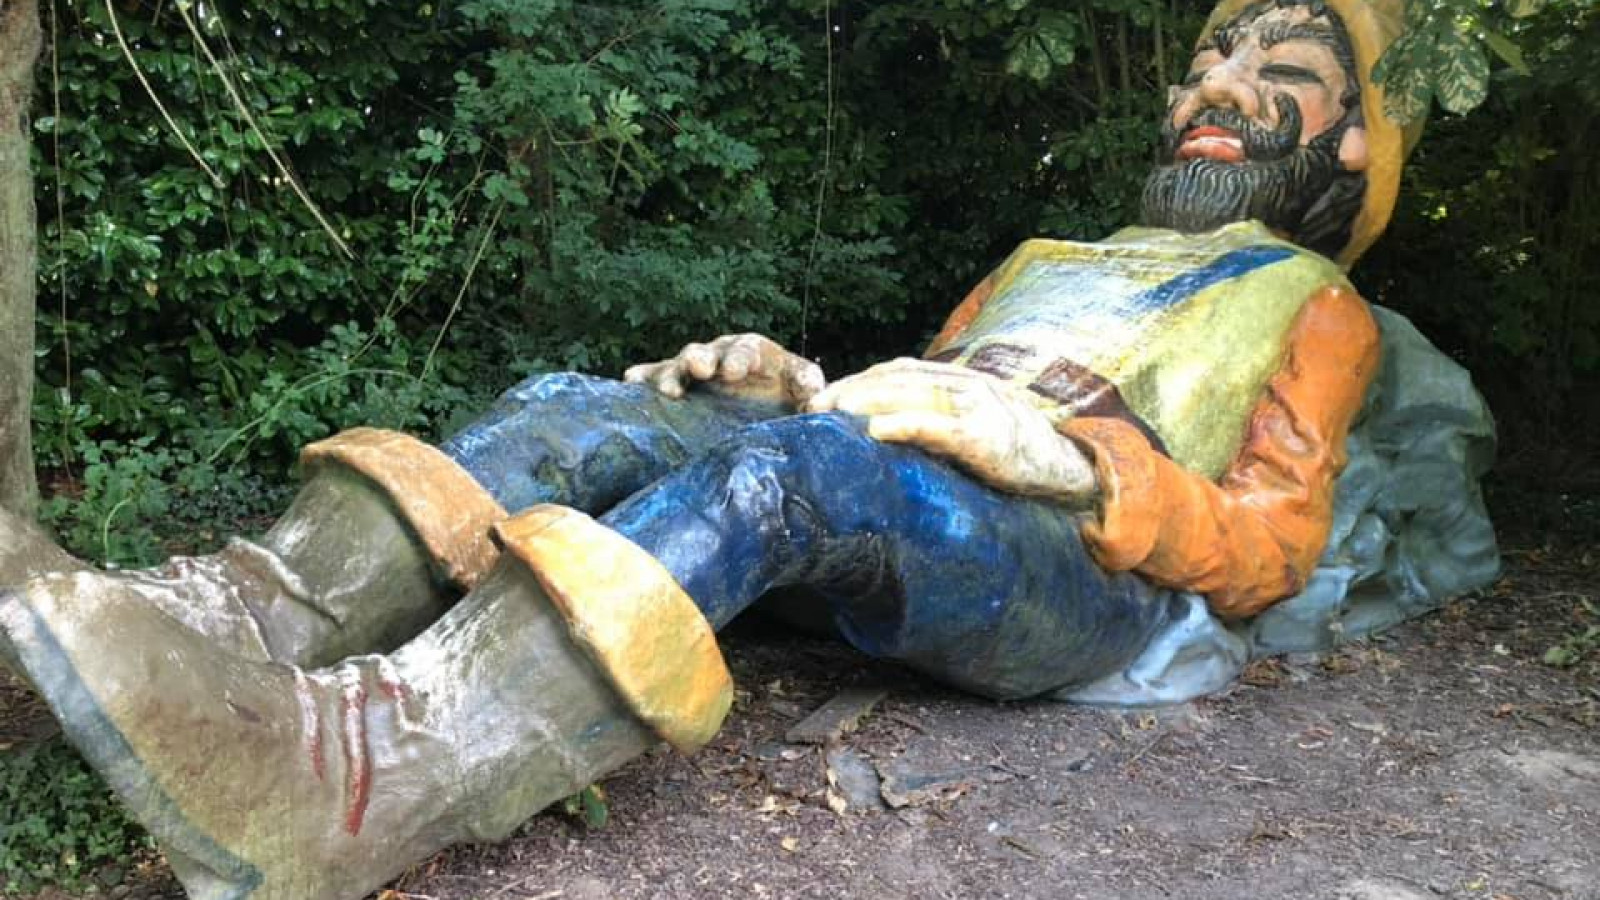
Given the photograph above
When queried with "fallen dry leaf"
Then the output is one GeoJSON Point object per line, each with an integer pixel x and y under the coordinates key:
{"type": "Point", "coordinates": [836, 803]}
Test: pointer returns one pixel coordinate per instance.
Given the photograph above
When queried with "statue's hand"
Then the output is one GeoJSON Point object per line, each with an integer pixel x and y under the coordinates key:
{"type": "Point", "coordinates": [741, 365]}
{"type": "Point", "coordinates": [989, 427]}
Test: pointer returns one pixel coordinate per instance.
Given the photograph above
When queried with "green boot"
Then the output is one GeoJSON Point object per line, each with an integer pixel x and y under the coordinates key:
{"type": "Point", "coordinates": [274, 782]}
{"type": "Point", "coordinates": [383, 538]}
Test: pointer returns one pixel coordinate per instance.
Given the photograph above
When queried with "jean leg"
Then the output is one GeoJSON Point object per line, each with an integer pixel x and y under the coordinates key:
{"type": "Point", "coordinates": [588, 442]}
{"type": "Point", "coordinates": [919, 563]}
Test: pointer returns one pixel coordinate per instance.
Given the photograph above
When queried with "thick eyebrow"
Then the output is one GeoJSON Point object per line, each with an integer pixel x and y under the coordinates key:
{"type": "Point", "coordinates": [1221, 40]}
{"type": "Point", "coordinates": [1227, 35]}
{"type": "Point", "coordinates": [1291, 74]}
{"type": "Point", "coordinates": [1278, 32]}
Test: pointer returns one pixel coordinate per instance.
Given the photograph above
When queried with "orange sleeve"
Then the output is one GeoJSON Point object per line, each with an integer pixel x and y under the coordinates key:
{"type": "Point", "coordinates": [962, 317]}
{"type": "Point", "coordinates": [1253, 537]}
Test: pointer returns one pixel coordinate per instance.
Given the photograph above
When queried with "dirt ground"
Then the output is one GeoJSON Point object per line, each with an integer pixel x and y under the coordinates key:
{"type": "Point", "coordinates": [1442, 760]}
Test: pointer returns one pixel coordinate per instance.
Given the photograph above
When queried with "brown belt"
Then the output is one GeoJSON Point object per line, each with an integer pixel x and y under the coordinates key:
{"type": "Point", "coordinates": [1064, 381]}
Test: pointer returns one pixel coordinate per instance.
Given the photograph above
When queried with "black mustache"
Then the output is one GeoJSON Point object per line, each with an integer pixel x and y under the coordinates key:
{"type": "Point", "coordinates": [1261, 142]}
{"type": "Point", "coordinates": [1305, 194]}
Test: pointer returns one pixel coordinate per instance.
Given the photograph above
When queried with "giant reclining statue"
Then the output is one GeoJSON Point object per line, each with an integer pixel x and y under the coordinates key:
{"type": "Point", "coordinates": [1121, 470]}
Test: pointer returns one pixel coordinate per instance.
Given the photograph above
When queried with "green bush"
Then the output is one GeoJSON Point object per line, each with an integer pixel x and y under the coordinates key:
{"type": "Point", "coordinates": [58, 821]}
{"type": "Point", "coordinates": [531, 186]}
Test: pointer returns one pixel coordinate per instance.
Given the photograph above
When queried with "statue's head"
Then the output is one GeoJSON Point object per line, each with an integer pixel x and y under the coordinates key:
{"type": "Point", "coordinates": [1278, 120]}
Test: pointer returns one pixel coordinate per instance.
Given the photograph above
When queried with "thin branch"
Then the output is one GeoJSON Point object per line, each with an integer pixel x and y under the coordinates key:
{"type": "Point", "coordinates": [309, 382]}
{"type": "Point", "coordinates": [472, 268]}
{"type": "Point", "coordinates": [250, 119]}
{"type": "Point", "coordinates": [822, 183]}
{"type": "Point", "coordinates": [116, 30]}
{"type": "Point", "coordinates": [627, 34]}
{"type": "Point", "coordinates": [61, 203]}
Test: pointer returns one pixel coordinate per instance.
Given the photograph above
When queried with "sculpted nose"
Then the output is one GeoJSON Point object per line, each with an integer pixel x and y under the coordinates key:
{"type": "Point", "coordinates": [1226, 85]}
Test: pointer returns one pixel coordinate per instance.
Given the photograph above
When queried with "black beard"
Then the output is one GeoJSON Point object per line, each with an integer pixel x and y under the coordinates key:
{"type": "Point", "coordinates": [1300, 191]}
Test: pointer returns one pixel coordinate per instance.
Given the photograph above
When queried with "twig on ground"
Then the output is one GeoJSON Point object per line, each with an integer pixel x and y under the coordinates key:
{"type": "Point", "coordinates": [1146, 749]}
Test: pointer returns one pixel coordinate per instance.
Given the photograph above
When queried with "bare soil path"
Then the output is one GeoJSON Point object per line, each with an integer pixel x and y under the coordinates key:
{"type": "Point", "coordinates": [1444, 759]}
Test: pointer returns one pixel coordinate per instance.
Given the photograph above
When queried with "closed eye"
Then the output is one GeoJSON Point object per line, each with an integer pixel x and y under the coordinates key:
{"type": "Point", "coordinates": [1283, 73]}
{"type": "Point", "coordinates": [1193, 78]}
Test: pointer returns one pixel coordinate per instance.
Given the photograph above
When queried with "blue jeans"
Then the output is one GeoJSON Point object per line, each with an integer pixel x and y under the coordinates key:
{"type": "Point", "coordinates": [915, 561]}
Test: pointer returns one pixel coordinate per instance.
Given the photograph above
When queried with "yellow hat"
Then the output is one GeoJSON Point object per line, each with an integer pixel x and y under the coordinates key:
{"type": "Point", "coordinates": [1372, 25]}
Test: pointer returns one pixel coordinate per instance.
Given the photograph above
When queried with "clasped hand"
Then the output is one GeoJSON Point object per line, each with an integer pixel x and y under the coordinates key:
{"type": "Point", "coordinates": [995, 430]}
{"type": "Point", "coordinates": [741, 365]}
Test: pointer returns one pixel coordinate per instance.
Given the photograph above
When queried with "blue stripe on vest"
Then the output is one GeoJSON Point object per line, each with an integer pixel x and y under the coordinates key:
{"type": "Point", "coordinates": [1229, 265]}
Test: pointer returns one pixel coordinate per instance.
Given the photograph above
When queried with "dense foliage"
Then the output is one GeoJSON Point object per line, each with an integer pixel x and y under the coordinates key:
{"type": "Point", "coordinates": [365, 212]}
{"type": "Point", "coordinates": [1495, 245]}
{"type": "Point", "coordinates": [61, 822]}
{"type": "Point", "coordinates": [523, 186]}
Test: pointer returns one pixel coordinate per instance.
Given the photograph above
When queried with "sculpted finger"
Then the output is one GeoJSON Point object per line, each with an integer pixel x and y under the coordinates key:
{"type": "Point", "coordinates": [753, 344]}
{"type": "Point", "coordinates": [900, 364]}
{"type": "Point", "coordinates": [868, 396]}
{"type": "Point", "coordinates": [910, 366]}
{"type": "Point", "coordinates": [803, 379]}
{"type": "Point", "coordinates": [739, 361]}
{"type": "Point", "coordinates": [663, 376]}
{"type": "Point", "coordinates": [919, 372]}
{"type": "Point", "coordinates": [849, 394]}
{"type": "Point", "coordinates": [879, 392]}
{"type": "Point", "coordinates": [823, 400]}
{"type": "Point", "coordinates": [939, 434]}
{"type": "Point", "coordinates": [699, 361]}
{"type": "Point", "coordinates": [1078, 478]}
{"type": "Point", "coordinates": [668, 379]}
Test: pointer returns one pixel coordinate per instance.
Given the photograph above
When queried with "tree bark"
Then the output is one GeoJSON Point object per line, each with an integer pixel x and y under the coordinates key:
{"type": "Point", "coordinates": [19, 50]}
{"type": "Point", "coordinates": [26, 552]}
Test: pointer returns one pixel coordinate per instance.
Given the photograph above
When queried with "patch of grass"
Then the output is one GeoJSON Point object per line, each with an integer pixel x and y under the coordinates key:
{"type": "Point", "coordinates": [58, 821]}
{"type": "Point", "coordinates": [1579, 643]}
{"type": "Point", "coordinates": [589, 806]}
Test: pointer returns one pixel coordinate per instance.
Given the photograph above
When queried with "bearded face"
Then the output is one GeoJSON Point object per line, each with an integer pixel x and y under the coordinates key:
{"type": "Point", "coordinates": [1267, 126]}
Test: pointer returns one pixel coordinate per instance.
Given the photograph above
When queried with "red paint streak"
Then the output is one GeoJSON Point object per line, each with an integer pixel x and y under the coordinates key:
{"type": "Point", "coordinates": [394, 690]}
{"type": "Point", "coordinates": [357, 758]}
{"type": "Point", "coordinates": [319, 761]}
{"type": "Point", "coordinates": [311, 724]}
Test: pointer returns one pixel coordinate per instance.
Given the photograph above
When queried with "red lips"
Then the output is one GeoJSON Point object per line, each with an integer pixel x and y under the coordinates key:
{"type": "Point", "coordinates": [1211, 142]}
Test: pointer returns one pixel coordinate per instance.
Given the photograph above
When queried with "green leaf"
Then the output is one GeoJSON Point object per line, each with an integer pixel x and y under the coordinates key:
{"type": "Point", "coordinates": [1463, 78]}
{"type": "Point", "coordinates": [1029, 59]}
{"type": "Point", "coordinates": [1039, 50]}
{"type": "Point", "coordinates": [1522, 9]}
{"type": "Point", "coordinates": [1408, 91]}
{"type": "Point", "coordinates": [1506, 50]}
{"type": "Point", "coordinates": [1561, 656]}
{"type": "Point", "coordinates": [588, 804]}
{"type": "Point", "coordinates": [595, 811]}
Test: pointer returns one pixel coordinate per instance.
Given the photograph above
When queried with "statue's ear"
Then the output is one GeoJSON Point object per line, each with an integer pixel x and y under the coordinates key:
{"type": "Point", "coordinates": [1353, 149]}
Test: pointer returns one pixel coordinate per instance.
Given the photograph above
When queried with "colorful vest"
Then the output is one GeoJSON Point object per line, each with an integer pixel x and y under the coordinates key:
{"type": "Point", "coordinates": [1179, 333]}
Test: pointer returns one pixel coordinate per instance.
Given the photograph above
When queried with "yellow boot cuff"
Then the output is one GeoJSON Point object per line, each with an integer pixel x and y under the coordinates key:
{"type": "Point", "coordinates": [635, 621]}
{"type": "Point", "coordinates": [448, 511]}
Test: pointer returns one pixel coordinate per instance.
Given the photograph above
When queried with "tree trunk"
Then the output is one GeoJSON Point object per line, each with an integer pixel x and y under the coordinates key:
{"type": "Point", "coordinates": [1102, 83]}
{"type": "Point", "coordinates": [19, 49]}
{"type": "Point", "coordinates": [1124, 57]}
{"type": "Point", "coordinates": [1158, 38]}
{"type": "Point", "coordinates": [26, 552]}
